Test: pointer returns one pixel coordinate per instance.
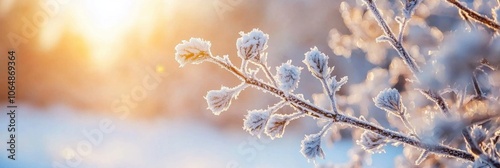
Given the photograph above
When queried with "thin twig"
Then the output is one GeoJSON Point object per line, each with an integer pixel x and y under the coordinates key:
{"type": "Point", "coordinates": [476, 16]}
{"type": "Point", "coordinates": [402, 27]}
{"type": "Point", "coordinates": [268, 74]}
{"type": "Point", "coordinates": [396, 44]}
{"type": "Point", "coordinates": [330, 94]}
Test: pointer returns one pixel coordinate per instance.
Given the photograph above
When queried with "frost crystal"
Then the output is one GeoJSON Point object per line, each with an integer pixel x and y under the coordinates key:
{"type": "Point", "coordinates": [409, 7]}
{"type": "Point", "coordinates": [311, 147]}
{"type": "Point", "coordinates": [479, 133]}
{"type": "Point", "coordinates": [194, 51]}
{"type": "Point", "coordinates": [220, 100]}
{"type": "Point", "coordinates": [372, 142]}
{"type": "Point", "coordinates": [390, 101]}
{"type": "Point", "coordinates": [288, 76]}
{"type": "Point", "coordinates": [276, 126]}
{"type": "Point", "coordinates": [255, 121]}
{"type": "Point", "coordinates": [251, 45]}
{"type": "Point", "coordinates": [317, 63]}
{"type": "Point", "coordinates": [336, 85]}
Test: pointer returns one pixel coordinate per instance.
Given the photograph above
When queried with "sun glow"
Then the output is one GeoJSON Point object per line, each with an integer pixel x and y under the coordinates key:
{"type": "Point", "coordinates": [105, 23]}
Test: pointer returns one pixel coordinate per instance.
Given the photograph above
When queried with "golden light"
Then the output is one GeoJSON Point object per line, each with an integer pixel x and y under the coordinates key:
{"type": "Point", "coordinates": [160, 68]}
{"type": "Point", "coordinates": [104, 23]}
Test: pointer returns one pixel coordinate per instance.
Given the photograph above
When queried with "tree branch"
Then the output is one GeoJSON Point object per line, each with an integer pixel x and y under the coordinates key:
{"type": "Point", "coordinates": [476, 16]}
{"type": "Point", "coordinates": [317, 112]}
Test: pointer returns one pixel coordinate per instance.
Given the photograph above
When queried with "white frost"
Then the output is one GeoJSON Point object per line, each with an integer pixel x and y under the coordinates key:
{"type": "Point", "coordinates": [372, 142]}
{"type": "Point", "coordinates": [317, 63]}
{"type": "Point", "coordinates": [251, 45]}
{"type": "Point", "coordinates": [288, 76]}
{"type": "Point", "coordinates": [255, 121]}
{"type": "Point", "coordinates": [276, 125]}
{"type": "Point", "coordinates": [409, 7]}
{"type": "Point", "coordinates": [479, 133]}
{"type": "Point", "coordinates": [335, 84]}
{"type": "Point", "coordinates": [194, 51]}
{"type": "Point", "coordinates": [390, 101]}
{"type": "Point", "coordinates": [311, 146]}
{"type": "Point", "coordinates": [220, 100]}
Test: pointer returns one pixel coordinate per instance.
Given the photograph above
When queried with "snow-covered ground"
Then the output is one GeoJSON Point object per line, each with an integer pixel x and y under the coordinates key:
{"type": "Point", "coordinates": [48, 136]}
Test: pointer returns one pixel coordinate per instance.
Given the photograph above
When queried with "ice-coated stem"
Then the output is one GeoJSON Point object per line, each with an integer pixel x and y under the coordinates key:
{"type": "Point", "coordinates": [317, 112]}
{"type": "Point", "coordinates": [268, 74]}
{"type": "Point", "coordinates": [330, 93]}
{"type": "Point", "coordinates": [396, 44]}
{"type": "Point", "coordinates": [475, 16]}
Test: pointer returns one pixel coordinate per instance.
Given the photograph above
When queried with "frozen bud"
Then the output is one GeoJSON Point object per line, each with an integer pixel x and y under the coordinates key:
{"type": "Point", "coordinates": [220, 100]}
{"type": "Point", "coordinates": [372, 142]}
{"type": "Point", "coordinates": [409, 7]}
{"type": "Point", "coordinates": [311, 147]}
{"type": "Point", "coordinates": [390, 101]}
{"type": "Point", "coordinates": [194, 51]}
{"type": "Point", "coordinates": [255, 121]}
{"type": "Point", "coordinates": [479, 133]}
{"type": "Point", "coordinates": [251, 45]}
{"type": "Point", "coordinates": [335, 84]}
{"type": "Point", "coordinates": [276, 125]}
{"type": "Point", "coordinates": [288, 76]}
{"type": "Point", "coordinates": [317, 63]}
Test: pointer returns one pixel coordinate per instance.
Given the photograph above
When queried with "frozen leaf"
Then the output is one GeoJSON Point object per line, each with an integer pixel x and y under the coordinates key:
{"type": "Point", "coordinates": [276, 125]}
{"type": "Point", "coordinates": [335, 84]}
{"type": "Point", "coordinates": [372, 142]}
{"type": "Point", "coordinates": [255, 121]}
{"type": "Point", "coordinates": [194, 51]}
{"type": "Point", "coordinates": [317, 63]}
{"type": "Point", "coordinates": [409, 7]}
{"type": "Point", "coordinates": [389, 100]}
{"type": "Point", "coordinates": [288, 76]}
{"type": "Point", "coordinates": [220, 100]}
{"type": "Point", "coordinates": [252, 44]}
{"type": "Point", "coordinates": [311, 147]}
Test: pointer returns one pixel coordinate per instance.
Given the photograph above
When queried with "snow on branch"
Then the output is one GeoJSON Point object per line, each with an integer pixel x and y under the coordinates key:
{"type": "Point", "coordinates": [468, 131]}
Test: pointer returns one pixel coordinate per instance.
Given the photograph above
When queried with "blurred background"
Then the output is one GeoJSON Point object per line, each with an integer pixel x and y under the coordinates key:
{"type": "Point", "coordinates": [81, 62]}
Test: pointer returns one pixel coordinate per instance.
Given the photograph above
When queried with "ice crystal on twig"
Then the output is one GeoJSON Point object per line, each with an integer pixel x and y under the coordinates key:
{"type": "Point", "coordinates": [479, 133]}
{"type": "Point", "coordinates": [288, 76]}
{"type": "Point", "coordinates": [390, 101]}
{"type": "Point", "coordinates": [372, 142]}
{"type": "Point", "coordinates": [251, 45]}
{"type": "Point", "coordinates": [194, 51]}
{"type": "Point", "coordinates": [276, 126]}
{"type": "Point", "coordinates": [311, 147]}
{"type": "Point", "coordinates": [409, 7]}
{"type": "Point", "coordinates": [220, 100]}
{"type": "Point", "coordinates": [317, 63]}
{"type": "Point", "coordinates": [255, 121]}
